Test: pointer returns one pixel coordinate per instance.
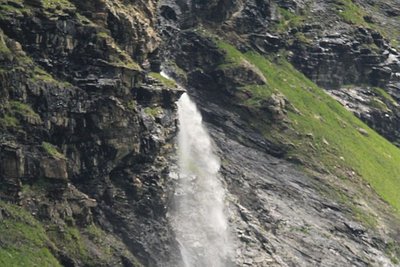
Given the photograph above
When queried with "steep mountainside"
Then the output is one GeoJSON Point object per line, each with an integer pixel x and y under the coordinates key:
{"type": "Point", "coordinates": [302, 99]}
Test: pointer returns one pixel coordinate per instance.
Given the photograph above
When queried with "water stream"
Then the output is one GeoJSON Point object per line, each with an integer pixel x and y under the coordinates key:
{"type": "Point", "coordinates": [198, 211]}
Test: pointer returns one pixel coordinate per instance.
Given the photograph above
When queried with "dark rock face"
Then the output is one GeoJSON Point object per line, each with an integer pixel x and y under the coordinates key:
{"type": "Point", "coordinates": [80, 125]}
{"type": "Point", "coordinates": [342, 59]}
{"type": "Point", "coordinates": [237, 15]}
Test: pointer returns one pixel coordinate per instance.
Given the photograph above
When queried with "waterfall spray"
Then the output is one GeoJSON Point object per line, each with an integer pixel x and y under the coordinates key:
{"type": "Point", "coordinates": [197, 214]}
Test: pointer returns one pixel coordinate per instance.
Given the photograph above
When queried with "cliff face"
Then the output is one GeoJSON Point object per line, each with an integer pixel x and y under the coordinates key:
{"type": "Point", "coordinates": [88, 127]}
{"type": "Point", "coordinates": [85, 133]}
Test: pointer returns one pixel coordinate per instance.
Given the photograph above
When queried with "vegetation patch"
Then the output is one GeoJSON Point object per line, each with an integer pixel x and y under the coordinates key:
{"type": "Point", "coordinates": [313, 142]}
{"type": "Point", "coordinates": [393, 250]}
{"type": "Point", "coordinates": [153, 111]}
{"type": "Point", "coordinates": [132, 105]}
{"type": "Point", "coordinates": [14, 112]}
{"type": "Point", "coordinates": [8, 121]}
{"type": "Point", "coordinates": [108, 245]}
{"type": "Point", "coordinates": [24, 110]}
{"type": "Point", "coordinates": [176, 69]}
{"type": "Point", "coordinates": [84, 20]}
{"type": "Point", "coordinates": [52, 150]}
{"type": "Point", "coordinates": [166, 82]}
{"type": "Point", "coordinates": [58, 6]}
{"type": "Point", "coordinates": [378, 104]}
{"type": "Point", "coordinates": [354, 14]}
{"type": "Point", "coordinates": [384, 95]}
{"type": "Point", "coordinates": [290, 19]}
{"type": "Point", "coordinates": [40, 75]}
{"type": "Point", "coordinates": [351, 12]}
{"type": "Point", "coordinates": [302, 38]}
{"type": "Point", "coordinates": [117, 57]}
{"type": "Point", "coordinates": [4, 50]}
{"type": "Point", "coordinates": [23, 240]}
{"type": "Point", "coordinates": [69, 240]}
{"type": "Point", "coordinates": [12, 8]}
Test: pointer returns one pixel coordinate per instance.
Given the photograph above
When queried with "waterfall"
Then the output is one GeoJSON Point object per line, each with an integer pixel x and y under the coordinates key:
{"type": "Point", "coordinates": [197, 214]}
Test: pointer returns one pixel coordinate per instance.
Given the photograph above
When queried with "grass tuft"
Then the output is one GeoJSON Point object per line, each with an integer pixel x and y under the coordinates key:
{"type": "Point", "coordinates": [166, 82]}
{"type": "Point", "coordinates": [52, 150]}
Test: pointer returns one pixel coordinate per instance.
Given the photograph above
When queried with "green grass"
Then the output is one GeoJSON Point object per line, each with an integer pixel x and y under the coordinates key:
{"type": "Point", "coordinates": [108, 245]}
{"type": "Point", "coordinates": [69, 239]}
{"type": "Point", "coordinates": [122, 60]}
{"type": "Point", "coordinates": [103, 34]}
{"type": "Point", "coordinates": [232, 55]}
{"type": "Point", "coordinates": [289, 19]}
{"type": "Point", "coordinates": [176, 69]}
{"type": "Point", "coordinates": [57, 4]}
{"type": "Point", "coordinates": [52, 150]}
{"type": "Point", "coordinates": [100, 238]}
{"type": "Point", "coordinates": [40, 75]}
{"type": "Point", "coordinates": [118, 57]}
{"type": "Point", "coordinates": [8, 121]}
{"type": "Point", "coordinates": [302, 38]}
{"type": "Point", "coordinates": [3, 47]}
{"type": "Point", "coordinates": [24, 110]}
{"type": "Point", "coordinates": [378, 104]}
{"type": "Point", "coordinates": [5, 2]}
{"type": "Point", "coordinates": [153, 111]}
{"type": "Point", "coordinates": [371, 157]}
{"type": "Point", "coordinates": [383, 94]}
{"type": "Point", "coordinates": [14, 111]}
{"type": "Point", "coordinates": [131, 105]}
{"type": "Point", "coordinates": [167, 82]}
{"type": "Point", "coordinates": [23, 240]}
{"type": "Point", "coordinates": [84, 20]}
{"type": "Point", "coordinates": [354, 14]}
{"type": "Point", "coordinates": [393, 250]}
{"type": "Point", "coordinates": [8, 11]}
{"type": "Point", "coordinates": [351, 12]}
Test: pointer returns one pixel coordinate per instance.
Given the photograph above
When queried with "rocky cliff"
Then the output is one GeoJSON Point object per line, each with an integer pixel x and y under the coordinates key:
{"type": "Point", "coordinates": [301, 97]}
{"type": "Point", "coordinates": [85, 133]}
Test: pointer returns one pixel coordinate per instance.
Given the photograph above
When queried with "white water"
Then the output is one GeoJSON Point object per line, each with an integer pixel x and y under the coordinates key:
{"type": "Point", "coordinates": [197, 215]}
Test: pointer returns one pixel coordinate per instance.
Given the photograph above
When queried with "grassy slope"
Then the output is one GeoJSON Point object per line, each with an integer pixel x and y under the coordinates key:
{"type": "Point", "coordinates": [324, 134]}
{"type": "Point", "coordinates": [23, 240]}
